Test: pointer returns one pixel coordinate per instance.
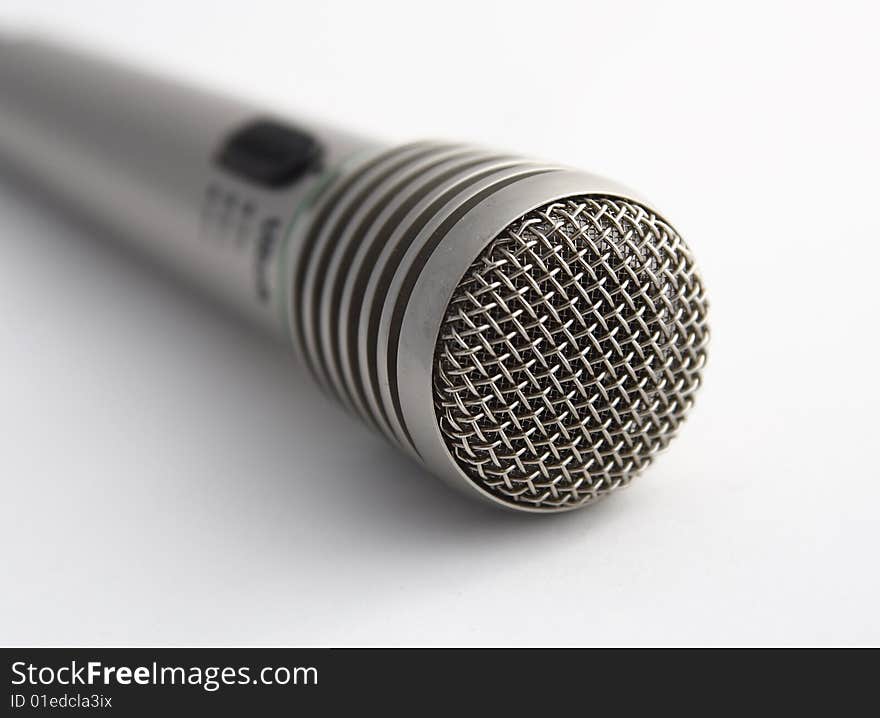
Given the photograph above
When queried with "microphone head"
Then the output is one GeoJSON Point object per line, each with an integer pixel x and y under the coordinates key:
{"type": "Point", "coordinates": [570, 352]}
{"type": "Point", "coordinates": [532, 334]}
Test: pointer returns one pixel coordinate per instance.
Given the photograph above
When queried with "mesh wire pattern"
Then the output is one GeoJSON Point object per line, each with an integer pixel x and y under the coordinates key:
{"type": "Point", "coordinates": [570, 352]}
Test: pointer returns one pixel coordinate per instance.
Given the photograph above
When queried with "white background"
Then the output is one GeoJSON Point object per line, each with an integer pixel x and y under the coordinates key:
{"type": "Point", "coordinates": [168, 477]}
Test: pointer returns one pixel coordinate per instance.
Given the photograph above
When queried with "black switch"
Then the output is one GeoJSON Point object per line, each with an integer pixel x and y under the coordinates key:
{"type": "Point", "coordinates": [269, 154]}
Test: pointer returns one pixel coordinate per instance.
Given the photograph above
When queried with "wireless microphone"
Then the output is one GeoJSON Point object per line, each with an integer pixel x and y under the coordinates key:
{"type": "Point", "coordinates": [532, 334]}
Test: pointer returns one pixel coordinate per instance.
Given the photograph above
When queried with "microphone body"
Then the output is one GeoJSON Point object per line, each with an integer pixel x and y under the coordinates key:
{"type": "Point", "coordinates": [532, 334]}
{"type": "Point", "coordinates": [141, 155]}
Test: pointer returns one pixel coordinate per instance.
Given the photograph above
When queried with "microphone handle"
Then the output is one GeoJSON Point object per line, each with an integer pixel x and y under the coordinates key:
{"type": "Point", "coordinates": [208, 186]}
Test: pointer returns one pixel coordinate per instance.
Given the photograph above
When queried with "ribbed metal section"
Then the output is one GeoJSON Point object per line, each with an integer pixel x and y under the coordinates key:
{"type": "Point", "coordinates": [366, 223]}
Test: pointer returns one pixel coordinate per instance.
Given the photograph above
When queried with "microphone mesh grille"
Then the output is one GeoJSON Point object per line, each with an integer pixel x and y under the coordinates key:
{"type": "Point", "coordinates": [570, 352]}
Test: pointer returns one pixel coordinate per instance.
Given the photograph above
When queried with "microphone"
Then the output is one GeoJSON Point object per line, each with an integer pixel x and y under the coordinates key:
{"type": "Point", "coordinates": [532, 334]}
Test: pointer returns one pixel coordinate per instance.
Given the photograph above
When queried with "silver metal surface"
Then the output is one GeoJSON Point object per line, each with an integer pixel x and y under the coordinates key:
{"type": "Point", "coordinates": [531, 334]}
{"type": "Point", "coordinates": [138, 152]}
{"type": "Point", "coordinates": [570, 352]}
